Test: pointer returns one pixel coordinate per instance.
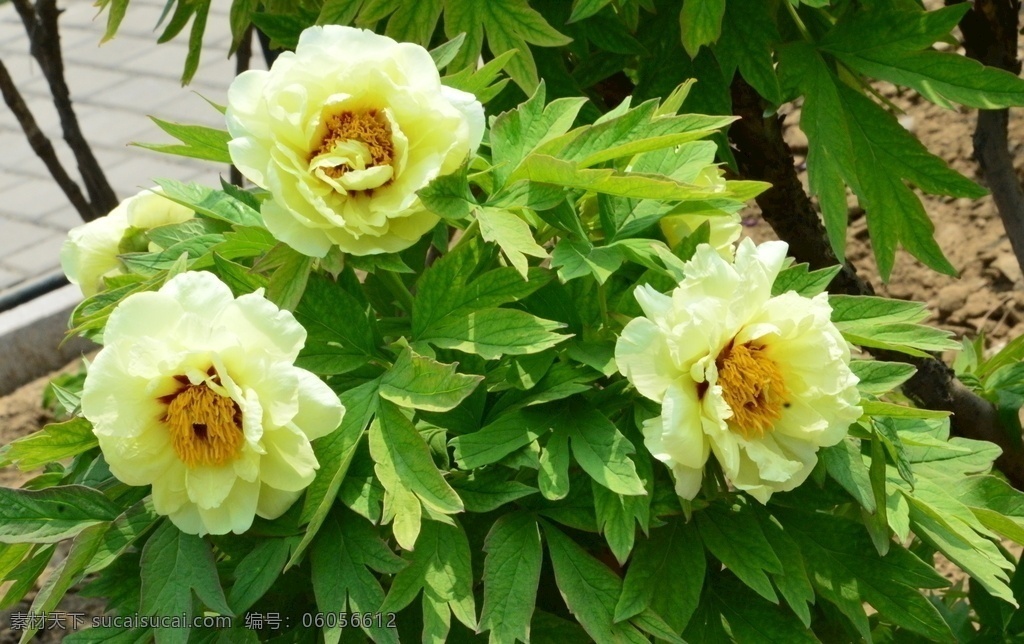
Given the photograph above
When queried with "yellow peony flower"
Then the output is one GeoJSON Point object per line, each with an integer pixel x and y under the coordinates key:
{"type": "Point", "coordinates": [760, 381]}
{"type": "Point", "coordinates": [90, 252]}
{"type": "Point", "coordinates": [343, 132]}
{"type": "Point", "coordinates": [724, 230]}
{"type": "Point", "coordinates": [195, 393]}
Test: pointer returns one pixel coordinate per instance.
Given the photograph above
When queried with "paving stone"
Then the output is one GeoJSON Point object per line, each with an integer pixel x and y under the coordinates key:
{"type": "Point", "coordinates": [42, 257]}
{"type": "Point", "coordinates": [30, 200]}
{"type": "Point", "coordinates": [9, 278]}
{"type": "Point", "coordinates": [16, 235]}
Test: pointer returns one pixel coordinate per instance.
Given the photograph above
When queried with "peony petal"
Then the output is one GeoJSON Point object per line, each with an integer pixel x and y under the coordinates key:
{"type": "Point", "coordinates": [208, 486]}
{"type": "Point", "coordinates": [273, 502]}
{"type": "Point", "coordinates": [320, 410]}
{"type": "Point", "coordinates": [289, 463]}
{"type": "Point", "coordinates": [642, 355]}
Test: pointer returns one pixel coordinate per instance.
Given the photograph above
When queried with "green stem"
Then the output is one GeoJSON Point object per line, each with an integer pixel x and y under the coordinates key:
{"type": "Point", "coordinates": [394, 284]}
{"type": "Point", "coordinates": [799, 22]}
{"type": "Point", "coordinates": [471, 231]}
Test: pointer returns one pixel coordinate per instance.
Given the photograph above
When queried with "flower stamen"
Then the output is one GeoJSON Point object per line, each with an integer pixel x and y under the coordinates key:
{"type": "Point", "coordinates": [370, 128]}
{"type": "Point", "coordinates": [205, 426]}
{"type": "Point", "coordinates": [753, 387]}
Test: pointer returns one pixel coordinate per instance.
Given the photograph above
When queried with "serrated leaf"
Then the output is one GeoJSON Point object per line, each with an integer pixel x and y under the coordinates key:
{"type": "Point", "coordinates": [511, 575]}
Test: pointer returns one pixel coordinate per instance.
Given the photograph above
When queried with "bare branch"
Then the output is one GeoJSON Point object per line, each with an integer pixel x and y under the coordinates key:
{"type": "Point", "coordinates": [41, 145]}
{"type": "Point", "coordinates": [40, 23]}
{"type": "Point", "coordinates": [990, 37]}
{"type": "Point", "coordinates": [762, 154]}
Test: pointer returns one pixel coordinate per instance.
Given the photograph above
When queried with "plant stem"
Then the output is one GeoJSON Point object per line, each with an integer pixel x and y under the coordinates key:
{"type": "Point", "coordinates": [801, 27]}
{"type": "Point", "coordinates": [397, 287]}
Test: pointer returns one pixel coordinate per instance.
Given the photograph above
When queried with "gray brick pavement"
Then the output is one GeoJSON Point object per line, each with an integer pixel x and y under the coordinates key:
{"type": "Point", "coordinates": [114, 86]}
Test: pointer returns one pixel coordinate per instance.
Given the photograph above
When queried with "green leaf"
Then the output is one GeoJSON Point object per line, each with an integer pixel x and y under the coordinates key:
{"type": "Point", "coordinates": [419, 382]}
{"type": "Point", "coordinates": [515, 133]}
{"type": "Point", "coordinates": [749, 36]}
{"type": "Point", "coordinates": [583, 9]}
{"type": "Point", "coordinates": [68, 572]}
{"type": "Point", "coordinates": [844, 463]}
{"type": "Point", "coordinates": [509, 25]}
{"type": "Point", "coordinates": [877, 377]}
{"type": "Point", "coordinates": [942, 77]}
{"type": "Point", "coordinates": [489, 490]}
{"type": "Point", "coordinates": [51, 443]}
{"type": "Point", "coordinates": [334, 452]}
{"type": "Point", "coordinates": [590, 589]}
{"type": "Point", "coordinates": [175, 564]}
{"type": "Point", "coordinates": [53, 514]}
{"type": "Point", "coordinates": [445, 53]}
{"type": "Point", "coordinates": [542, 168]}
{"type": "Point", "coordinates": [700, 23]}
{"type": "Point", "coordinates": [449, 196]}
{"type": "Point", "coordinates": [579, 258]}
{"type": "Point", "coordinates": [847, 571]}
{"type": "Point", "coordinates": [394, 441]}
{"type": "Point", "coordinates": [601, 449]}
{"type": "Point", "coordinates": [492, 333]}
{"type": "Point", "coordinates": [122, 534]}
{"type": "Point", "coordinates": [290, 275]}
{"type": "Point", "coordinates": [509, 432]}
{"type": "Point", "coordinates": [449, 290]}
{"type": "Point", "coordinates": [341, 558]}
{"type": "Point", "coordinates": [853, 140]}
{"type": "Point", "coordinates": [414, 21]}
{"type": "Point", "coordinates": [114, 17]}
{"type": "Point", "coordinates": [553, 471]}
{"type": "Point", "coordinates": [211, 203]}
{"type": "Point", "coordinates": [793, 582]}
{"type": "Point", "coordinates": [257, 572]}
{"type": "Point", "coordinates": [512, 234]}
{"type": "Point", "coordinates": [333, 348]}
{"type": "Point", "coordinates": [200, 142]}
{"type": "Point", "coordinates": [807, 283]}
{"type": "Point", "coordinates": [751, 618]}
{"type": "Point", "coordinates": [440, 565]}
{"type": "Point", "coordinates": [511, 575]}
{"type": "Point", "coordinates": [735, 537]}
{"type": "Point", "coordinates": [958, 540]}
{"type": "Point", "coordinates": [665, 575]}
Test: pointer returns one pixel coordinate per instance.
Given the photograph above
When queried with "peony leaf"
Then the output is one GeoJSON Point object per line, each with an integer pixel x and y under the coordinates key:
{"type": "Point", "coordinates": [511, 576]}
{"type": "Point", "coordinates": [200, 142]}
{"type": "Point", "coordinates": [419, 382]}
{"type": "Point", "coordinates": [492, 333]}
{"type": "Point", "coordinates": [489, 490]}
{"type": "Point", "coordinates": [211, 203]}
{"type": "Point", "coordinates": [701, 24]}
{"type": "Point", "coordinates": [553, 473]}
{"type": "Point", "coordinates": [175, 564]}
{"type": "Point", "coordinates": [52, 443]}
{"type": "Point", "coordinates": [395, 443]}
{"type": "Point", "coordinates": [257, 571]}
{"type": "Point", "coordinates": [53, 514]}
{"type": "Point", "coordinates": [590, 589]}
{"type": "Point", "coordinates": [601, 450]}
{"type": "Point", "coordinates": [512, 234]}
{"type": "Point", "coordinates": [333, 348]}
{"type": "Point", "coordinates": [735, 538]}
{"type": "Point", "coordinates": [500, 438]}
{"type": "Point", "coordinates": [122, 534]}
{"type": "Point", "coordinates": [666, 575]}
{"type": "Point", "coordinates": [441, 566]}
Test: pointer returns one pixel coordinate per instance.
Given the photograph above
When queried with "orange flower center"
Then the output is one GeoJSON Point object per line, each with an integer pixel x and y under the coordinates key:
{"type": "Point", "coordinates": [370, 128]}
{"type": "Point", "coordinates": [205, 427]}
{"type": "Point", "coordinates": [753, 387]}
